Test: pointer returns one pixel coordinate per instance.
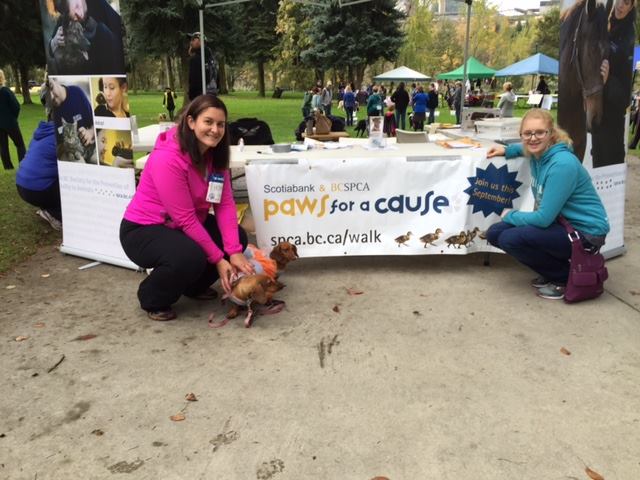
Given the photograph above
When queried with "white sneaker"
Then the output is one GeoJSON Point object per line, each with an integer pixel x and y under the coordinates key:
{"type": "Point", "coordinates": [53, 221]}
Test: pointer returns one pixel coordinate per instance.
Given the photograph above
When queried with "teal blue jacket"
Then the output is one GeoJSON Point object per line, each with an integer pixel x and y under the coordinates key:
{"type": "Point", "coordinates": [561, 186]}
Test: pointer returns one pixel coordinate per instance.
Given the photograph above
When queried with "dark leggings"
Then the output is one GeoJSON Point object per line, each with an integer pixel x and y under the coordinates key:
{"type": "Point", "coordinates": [16, 137]}
{"type": "Point", "coordinates": [180, 266]}
{"type": "Point", "coordinates": [48, 199]}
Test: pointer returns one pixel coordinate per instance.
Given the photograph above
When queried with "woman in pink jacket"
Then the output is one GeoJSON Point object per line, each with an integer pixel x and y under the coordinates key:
{"type": "Point", "coordinates": [167, 225]}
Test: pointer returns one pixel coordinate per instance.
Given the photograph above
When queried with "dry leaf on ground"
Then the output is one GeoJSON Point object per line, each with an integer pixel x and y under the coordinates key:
{"type": "Point", "coordinates": [10, 287]}
{"type": "Point", "coordinates": [21, 338]}
{"type": "Point", "coordinates": [88, 336]}
{"type": "Point", "coordinates": [178, 417]}
{"type": "Point", "coordinates": [380, 478]}
{"type": "Point", "coordinates": [45, 275]}
{"type": "Point", "coordinates": [353, 291]}
{"type": "Point", "coordinates": [39, 325]}
{"type": "Point", "coordinates": [191, 397]}
{"type": "Point", "coordinates": [593, 475]}
{"type": "Point", "coordinates": [564, 351]}
{"type": "Point", "coordinates": [634, 292]}
{"type": "Point", "coordinates": [98, 433]}
{"type": "Point", "coordinates": [336, 309]}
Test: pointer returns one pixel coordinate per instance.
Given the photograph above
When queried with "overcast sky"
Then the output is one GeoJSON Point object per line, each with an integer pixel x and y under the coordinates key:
{"type": "Point", "coordinates": [509, 4]}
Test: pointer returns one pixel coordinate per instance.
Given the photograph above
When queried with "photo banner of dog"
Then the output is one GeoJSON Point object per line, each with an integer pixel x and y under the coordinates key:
{"type": "Point", "coordinates": [385, 206]}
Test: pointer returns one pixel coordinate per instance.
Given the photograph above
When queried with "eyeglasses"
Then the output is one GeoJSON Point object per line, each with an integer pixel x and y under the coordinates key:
{"type": "Point", "coordinates": [538, 134]}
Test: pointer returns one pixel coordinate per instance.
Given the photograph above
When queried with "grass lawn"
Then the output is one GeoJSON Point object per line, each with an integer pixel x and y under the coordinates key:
{"type": "Point", "coordinates": [22, 231]}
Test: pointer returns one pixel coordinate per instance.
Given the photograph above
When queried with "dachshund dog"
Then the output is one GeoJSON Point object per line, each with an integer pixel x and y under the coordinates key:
{"type": "Point", "coordinates": [361, 128]}
{"type": "Point", "coordinates": [259, 289]}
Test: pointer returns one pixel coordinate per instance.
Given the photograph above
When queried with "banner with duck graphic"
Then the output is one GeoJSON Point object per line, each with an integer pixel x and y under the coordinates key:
{"type": "Point", "coordinates": [385, 206]}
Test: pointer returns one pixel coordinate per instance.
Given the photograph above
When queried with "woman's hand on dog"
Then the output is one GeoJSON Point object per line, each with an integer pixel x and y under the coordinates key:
{"type": "Point", "coordinates": [240, 263]}
{"type": "Point", "coordinates": [225, 271]}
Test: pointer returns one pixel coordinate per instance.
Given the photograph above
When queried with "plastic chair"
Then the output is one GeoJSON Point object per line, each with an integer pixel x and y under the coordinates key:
{"type": "Point", "coordinates": [404, 136]}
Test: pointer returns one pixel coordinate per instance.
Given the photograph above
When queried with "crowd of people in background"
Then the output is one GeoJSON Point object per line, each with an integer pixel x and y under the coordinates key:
{"type": "Point", "coordinates": [412, 106]}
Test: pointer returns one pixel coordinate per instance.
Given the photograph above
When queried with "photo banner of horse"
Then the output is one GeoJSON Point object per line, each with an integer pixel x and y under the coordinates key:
{"type": "Point", "coordinates": [90, 111]}
{"type": "Point", "coordinates": [594, 97]}
{"type": "Point", "coordinates": [384, 206]}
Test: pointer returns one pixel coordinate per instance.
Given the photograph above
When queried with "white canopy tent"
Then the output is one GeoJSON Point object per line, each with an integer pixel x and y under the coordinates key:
{"type": "Point", "coordinates": [402, 74]}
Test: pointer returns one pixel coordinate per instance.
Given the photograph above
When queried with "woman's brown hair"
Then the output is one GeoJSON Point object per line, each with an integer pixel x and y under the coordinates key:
{"type": "Point", "coordinates": [188, 141]}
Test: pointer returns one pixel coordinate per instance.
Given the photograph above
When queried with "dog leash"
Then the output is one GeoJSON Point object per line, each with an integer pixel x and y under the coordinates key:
{"type": "Point", "coordinates": [275, 306]}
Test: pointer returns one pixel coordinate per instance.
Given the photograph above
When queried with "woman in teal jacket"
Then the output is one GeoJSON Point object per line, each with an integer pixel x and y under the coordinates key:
{"type": "Point", "coordinates": [561, 186]}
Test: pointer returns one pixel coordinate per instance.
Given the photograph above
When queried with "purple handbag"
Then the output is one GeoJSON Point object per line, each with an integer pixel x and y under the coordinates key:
{"type": "Point", "coordinates": [587, 271]}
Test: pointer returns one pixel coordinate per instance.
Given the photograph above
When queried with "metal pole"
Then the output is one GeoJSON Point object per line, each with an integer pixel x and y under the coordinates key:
{"type": "Point", "coordinates": [201, 14]}
{"type": "Point", "coordinates": [466, 56]}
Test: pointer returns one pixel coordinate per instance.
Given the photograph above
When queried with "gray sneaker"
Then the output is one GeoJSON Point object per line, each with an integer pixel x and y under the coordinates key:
{"type": "Point", "coordinates": [552, 292]}
{"type": "Point", "coordinates": [53, 221]}
{"type": "Point", "coordinates": [540, 282]}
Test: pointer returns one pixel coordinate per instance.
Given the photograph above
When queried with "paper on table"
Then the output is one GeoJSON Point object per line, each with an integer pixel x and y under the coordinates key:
{"type": "Point", "coordinates": [456, 144]}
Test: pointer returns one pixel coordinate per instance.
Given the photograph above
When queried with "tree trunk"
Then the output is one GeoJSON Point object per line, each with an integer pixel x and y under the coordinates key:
{"type": "Point", "coordinates": [16, 79]}
{"type": "Point", "coordinates": [222, 77]}
{"type": "Point", "coordinates": [24, 83]}
{"type": "Point", "coordinates": [169, 69]}
{"type": "Point", "coordinates": [261, 92]}
{"type": "Point", "coordinates": [319, 75]}
{"type": "Point", "coordinates": [360, 75]}
{"type": "Point", "coordinates": [184, 75]}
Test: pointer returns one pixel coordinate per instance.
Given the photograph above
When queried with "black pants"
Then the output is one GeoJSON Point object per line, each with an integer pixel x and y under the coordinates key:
{"type": "Point", "coordinates": [16, 138]}
{"type": "Point", "coordinates": [180, 266]}
{"type": "Point", "coordinates": [48, 199]}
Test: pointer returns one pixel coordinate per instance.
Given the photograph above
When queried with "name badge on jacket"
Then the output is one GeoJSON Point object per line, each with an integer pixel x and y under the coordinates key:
{"type": "Point", "coordinates": [214, 192]}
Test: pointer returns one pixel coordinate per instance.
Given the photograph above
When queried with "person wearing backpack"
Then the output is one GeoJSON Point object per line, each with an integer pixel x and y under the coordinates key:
{"type": "Point", "coordinates": [195, 68]}
{"type": "Point", "coordinates": [168, 101]}
{"type": "Point", "coordinates": [306, 103]}
{"type": "Point", "coordinates": [374, 104]}
{"type": "Point", "coordinates": [327, 96]}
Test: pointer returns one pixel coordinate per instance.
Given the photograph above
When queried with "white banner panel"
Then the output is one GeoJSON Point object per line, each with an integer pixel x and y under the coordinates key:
{"type": "Point", "coordinates": [94, 199]}
{"type": "Point", "coordinates": [384, 206]}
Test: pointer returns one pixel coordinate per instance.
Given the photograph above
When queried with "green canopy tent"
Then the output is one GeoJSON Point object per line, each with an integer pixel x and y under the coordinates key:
{"type": "Point", "coordinates": [475, 69]}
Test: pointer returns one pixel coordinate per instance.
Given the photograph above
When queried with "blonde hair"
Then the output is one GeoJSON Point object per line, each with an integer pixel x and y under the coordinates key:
{"type": "Point", "coordinates": [556, 134]}
{"type": "Point", "coordinates": [508, 86]}
{"type": "Point", "coordinates": [2, 79]}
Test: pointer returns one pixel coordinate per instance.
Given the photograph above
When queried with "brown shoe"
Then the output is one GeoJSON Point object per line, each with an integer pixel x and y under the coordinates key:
{"type": "Point", "coordinates": [162, 315]}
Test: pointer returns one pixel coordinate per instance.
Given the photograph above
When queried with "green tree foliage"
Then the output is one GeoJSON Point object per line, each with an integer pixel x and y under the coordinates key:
{"type": "Point", "coordinates": [260, 35]}
{"type": "Point", "coordinates": [159, 28]}
{"type": "Point", "coordinates": [547, 36]}
{"type": "Point", "coordinates": [292, 28]}
{"type": "Point", "coordinates": [447, 48]}
{"type": "Point", "coordinates": [353, 37]}
{"type": "Point", "coordinates": [22, 44]}
{"type": "Point", "coordinates": [419, 35]}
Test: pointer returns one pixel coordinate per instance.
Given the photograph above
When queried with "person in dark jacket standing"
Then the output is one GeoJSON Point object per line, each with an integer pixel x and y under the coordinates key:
{"type": "Point", "coordinates": [37, 178]}
{"type": "Point", "coordinates": [401, 100]}
{"type": "Point", "coordinates": [195, 68]}
{"type": "Point", "coordinates": [168, 101]}
{"type": "Point", "coordinates": [457, 101]}
{"type": "Point", "coordinates": [432, 103]}
{"type": "Point", "coordinates": [9, 128]}
{"type": "Point", "coordinates": [608, 139]}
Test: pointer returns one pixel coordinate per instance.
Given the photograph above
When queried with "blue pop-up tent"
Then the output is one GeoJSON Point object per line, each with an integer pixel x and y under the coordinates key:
{"type": "Point", "coordinates": [535, 65]}
{"type": "Point", "coordinates": [636, 57]}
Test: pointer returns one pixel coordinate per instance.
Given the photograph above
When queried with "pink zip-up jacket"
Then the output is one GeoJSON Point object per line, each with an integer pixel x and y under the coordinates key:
{"type": "Point", "coordinates": [173, 193]}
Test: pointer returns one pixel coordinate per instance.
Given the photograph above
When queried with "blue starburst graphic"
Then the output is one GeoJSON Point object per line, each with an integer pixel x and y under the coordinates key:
{"type": "Point", "coordinates": [492, 189]}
